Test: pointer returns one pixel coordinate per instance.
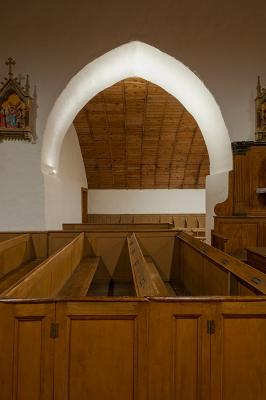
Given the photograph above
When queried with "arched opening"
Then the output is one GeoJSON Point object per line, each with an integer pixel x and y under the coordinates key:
{"type": "Point", "coordinates": [136, 59]}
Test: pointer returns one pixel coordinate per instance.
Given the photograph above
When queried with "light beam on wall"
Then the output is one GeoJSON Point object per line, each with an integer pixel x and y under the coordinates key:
{"type": "Point", "coordinates": [137, 59]}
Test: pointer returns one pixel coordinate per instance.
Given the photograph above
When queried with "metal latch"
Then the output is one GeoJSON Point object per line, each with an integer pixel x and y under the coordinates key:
{"type": "Point", "coordinates": [210, 327]}
{"type": "Point", "coordinates": [54, 330]}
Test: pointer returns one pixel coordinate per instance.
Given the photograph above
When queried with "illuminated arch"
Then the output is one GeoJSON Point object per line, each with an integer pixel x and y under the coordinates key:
{"type": "Point", "coordinates": [137, 59]}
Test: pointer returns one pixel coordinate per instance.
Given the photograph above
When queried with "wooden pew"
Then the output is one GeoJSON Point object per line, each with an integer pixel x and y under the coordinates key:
{"type": "Point", "coordinates": [206, 271]}
{"type": "Point", "coordinates": [14, 252]}
{"type": "Point", "coordinates": [146, 278]}
{"type": "Point", "coordinates": [79, 282]}
{"type": "Point", "coordinates": [17, 259]}
{"type": "Point", "coordinates": [117, 227]}
{"type": "Point", "coordinates": [50, 276]}
{"type": "Point", "coordinates": [256, 257]}
{"type": "Point", "coordinates": [219, 241]}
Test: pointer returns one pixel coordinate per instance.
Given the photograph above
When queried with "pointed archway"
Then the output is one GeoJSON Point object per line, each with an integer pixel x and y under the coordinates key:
{"type": "Point", "coordinates": [144, 61]}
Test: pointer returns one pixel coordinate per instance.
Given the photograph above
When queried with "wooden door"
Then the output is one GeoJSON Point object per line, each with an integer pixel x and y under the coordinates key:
{"type": "Point", "coordinates": [26, 351]}
{"type": "Point", "coordinates": [179, 351]}
{"type": "Point", "coordinates": [100, 352]}
{"type": "Point", "coordinates": [84, 205]}
{"type": "Point", "coordinates": [239, 351]}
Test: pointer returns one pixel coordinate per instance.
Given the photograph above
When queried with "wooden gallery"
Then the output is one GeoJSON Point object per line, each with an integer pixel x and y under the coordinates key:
{"type": "Point", "coordinates": [137, 306]}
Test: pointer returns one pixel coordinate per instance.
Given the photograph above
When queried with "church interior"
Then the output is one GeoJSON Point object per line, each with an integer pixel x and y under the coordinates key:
{"type": "Point", "coordinates": [133, 201]}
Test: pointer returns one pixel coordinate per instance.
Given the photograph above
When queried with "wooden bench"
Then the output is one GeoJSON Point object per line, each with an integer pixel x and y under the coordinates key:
{"type": "Point", "coordinates": [256, 257]}
{"type": "Point", "coordinates": [79, 282]}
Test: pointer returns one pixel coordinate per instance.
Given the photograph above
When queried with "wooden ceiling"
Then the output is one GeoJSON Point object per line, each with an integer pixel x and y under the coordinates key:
{"type": "Point", "coordinates": [135, 135]}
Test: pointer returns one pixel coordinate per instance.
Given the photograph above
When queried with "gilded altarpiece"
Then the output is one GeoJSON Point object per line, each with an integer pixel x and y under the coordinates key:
{"type": "Point", "coordinates": [15, 107]}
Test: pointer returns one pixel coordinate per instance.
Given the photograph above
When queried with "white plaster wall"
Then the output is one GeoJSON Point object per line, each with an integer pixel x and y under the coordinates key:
{"type": "Point", "coordinates": [21, 187]}
{"type": "Point", "coordinates": [146, 201]}
{"type": "Point", "coordinates": [63, 190]}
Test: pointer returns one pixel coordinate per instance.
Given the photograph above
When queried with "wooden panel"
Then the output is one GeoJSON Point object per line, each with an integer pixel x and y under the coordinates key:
{"type": "Point", "coordinates": [215, 280]}
{"type": "Point", "coordinates": [30, 359]}
{"type": "Point", "coordinates": [256, 257]}
{"type": "Point", "coordinates": [192, 252]}
{"type": "Point", "coordinates": [152, 218]}
{"type": "Point", "coordinates": [117, 227]}
{"type": "Point", "coordinates": [14, 252]}
{"type": "Point", "coordinates": [49, 277]}
{"type": "Point", "coordinates": [136, 135]}
{"type": "Point", "coordinates": [240, 359]}
{"type": "Point", "coordinates": [161, 249]}
{"type": "Point", "coordinates": [146, 278]}
{"type": "Point", "coordinates": [179, 365]}
{"type": "Point", "coordinates": [192, 270]}
{"type": "Point", "coordinates": [79, 282]}
{"type": "Point", "coordinates": [102, 351]}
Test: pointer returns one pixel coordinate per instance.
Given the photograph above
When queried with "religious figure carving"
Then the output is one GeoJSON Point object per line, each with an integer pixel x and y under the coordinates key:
{"type": "Point", "coordinates": [15, 107]}
{"type": "Point", "coordinates": [260, 102]}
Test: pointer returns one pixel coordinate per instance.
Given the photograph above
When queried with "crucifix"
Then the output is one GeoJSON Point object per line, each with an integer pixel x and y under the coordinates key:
{"type": "Point", "coordinates": [10, 63]}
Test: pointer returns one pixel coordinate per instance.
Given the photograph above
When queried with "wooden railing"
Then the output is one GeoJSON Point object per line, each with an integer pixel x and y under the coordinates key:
{"type": "Point", "coordinates": [205, 271]}
{"type": "Point", "coordinates": [50, 276]}
{"type": "Point", "coordinates": [14, 252]}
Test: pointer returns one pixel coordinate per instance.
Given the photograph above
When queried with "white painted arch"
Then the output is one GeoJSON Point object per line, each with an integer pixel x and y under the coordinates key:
{"type": "Point", "coordinates": [137, 59]}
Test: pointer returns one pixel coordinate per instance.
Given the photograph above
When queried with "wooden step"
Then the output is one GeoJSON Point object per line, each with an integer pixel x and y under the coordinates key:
{"type": "Point", "coordinates": [79, 282]}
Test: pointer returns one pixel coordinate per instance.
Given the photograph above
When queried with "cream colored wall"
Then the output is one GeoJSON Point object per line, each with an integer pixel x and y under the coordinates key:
{"type": "Point", "coordinates": [222, 41]}
{"type": "Point", "coordinates": [147, 201]}
{"type": "Point", "coordinates": [63, 190]}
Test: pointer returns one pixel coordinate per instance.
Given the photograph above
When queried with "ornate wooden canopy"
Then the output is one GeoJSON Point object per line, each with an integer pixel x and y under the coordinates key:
{"type": "Point", "coordinates": [135, 135]}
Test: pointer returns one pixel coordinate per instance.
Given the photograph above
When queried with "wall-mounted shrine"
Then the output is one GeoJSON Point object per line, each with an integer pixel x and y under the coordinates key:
{"type": "Point", "coordinates": [15, 107]}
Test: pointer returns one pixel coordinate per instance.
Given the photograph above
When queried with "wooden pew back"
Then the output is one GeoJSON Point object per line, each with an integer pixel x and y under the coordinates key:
{"type": "Point", "coordinates": [146, 278]}
{"type": "Point", "coordinates": [48, 278]}
{"type": "Point", "coordinates": [14, 252]}
{"type": "Point", "coordinates": [206, 271]}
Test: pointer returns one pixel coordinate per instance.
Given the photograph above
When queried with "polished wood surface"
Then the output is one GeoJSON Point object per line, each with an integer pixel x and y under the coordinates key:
{"type": "Point", "coordinates": [135, 135]}
{"type": "Point", "coordinates": [117, 227]}
{"type": "Point", "coordinates": [79, 282]}
{"type": "Point", "coordinates": [49, 277]}
{"type": "Point", "coordinates": [256, 257]}
{"type": "Point", "coordinates": [242, 217]}
{"type": "Point", "coordinates": [14, 252]}
{"type": "Point", "coordinates": [178, 220]}
{"type": "Point", "coordinates": [146, 277]}
{"type": "Point", "coordinates": [183, 349]}
{"type": "Point", "coordinates": [204, 270]}
{"type": "Point", "coordinates": [241, 232]}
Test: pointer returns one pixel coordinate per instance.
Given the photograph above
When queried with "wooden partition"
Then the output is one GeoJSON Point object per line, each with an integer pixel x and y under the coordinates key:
{"type": "Point", "coordinates": [14, 252]}
{"type": "Point", "coordinates": [134, 227]}
{"type": "Point", "coordinates": [135, 349]}
{"type": "Point", "coordinates": [206, 271]}
{"type": "Point", "coordinates": [49, 277]}
{"type": "Point", "coordinates": [147, 279]}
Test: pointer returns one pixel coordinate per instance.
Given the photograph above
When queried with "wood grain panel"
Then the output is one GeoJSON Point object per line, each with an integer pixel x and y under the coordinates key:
{"type": "Point", "coordinates": [27, 355]}
{"type": "Point", "coordinates": [179, 363]}
{"type": "Point", "coordinates": [101, 352]}
{"type": "Point", "coordinates": [243, 348]}
{"type": "Point", "coordinates": [136, 135]}
{"type": "Point", "coordinates": [101, 363]}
